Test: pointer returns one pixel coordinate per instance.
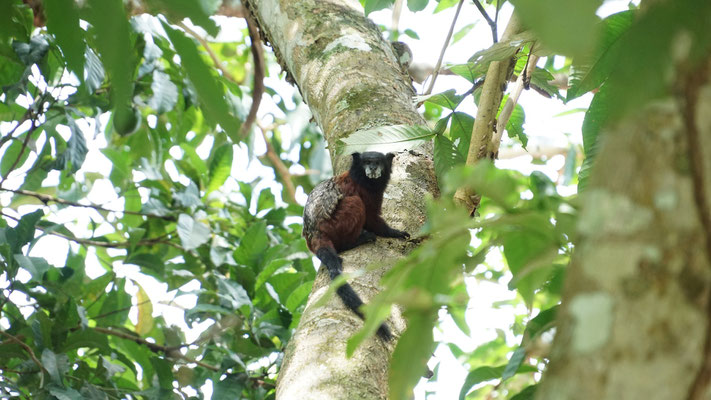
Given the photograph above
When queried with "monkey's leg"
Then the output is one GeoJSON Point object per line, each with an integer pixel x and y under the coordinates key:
{"type": "Point", "coordinates": [365, 237]}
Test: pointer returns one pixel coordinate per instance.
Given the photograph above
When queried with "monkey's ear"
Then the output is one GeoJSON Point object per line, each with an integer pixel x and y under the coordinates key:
{"type": "Point", "coordinates": [390, 157]}
{"type": "Point", "coordinates": [356, 157]}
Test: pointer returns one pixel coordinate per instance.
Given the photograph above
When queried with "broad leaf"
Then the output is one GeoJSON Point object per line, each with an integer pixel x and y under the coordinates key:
{"type": "Point", "coordinates": [385, 139]}
{"type": "Point", "coordinates": [63, 23]}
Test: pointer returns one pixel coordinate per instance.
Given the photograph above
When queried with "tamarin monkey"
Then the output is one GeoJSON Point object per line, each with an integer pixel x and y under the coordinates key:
{"type": "Point", "coordinates": [344, 212]}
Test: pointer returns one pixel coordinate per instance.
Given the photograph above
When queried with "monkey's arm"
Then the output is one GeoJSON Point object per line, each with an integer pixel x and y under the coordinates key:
{"type": "Point", "coordinates": [378, 226]}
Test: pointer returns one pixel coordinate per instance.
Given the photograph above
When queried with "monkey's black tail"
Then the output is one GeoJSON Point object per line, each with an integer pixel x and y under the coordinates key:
{"type": "Point", "coordinates": [350, 298]}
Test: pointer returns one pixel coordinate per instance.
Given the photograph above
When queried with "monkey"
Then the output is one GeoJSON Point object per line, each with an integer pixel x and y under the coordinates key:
{"type": "Point", "coordinates": [343, 212]}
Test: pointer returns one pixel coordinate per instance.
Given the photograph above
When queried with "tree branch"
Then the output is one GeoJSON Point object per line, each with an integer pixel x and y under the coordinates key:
{"type": "Point", "coordinates": [492, 23]}
{"type": "Point", "coordinates": [258, 85]}
{"type": "Point", "coordinates": [481, 145]}
{"type": "Point", "coordinates": [505, 115]}
{"type": "Point", "coordinates": [218, 64]}
{"type": "Point", "coordinates": [29, 351]}
{"type": "Point", "coordinates": [278, 164]}
{"type": "Point", "coordinates": [45, 198]}
{"type": "Point", "coordinates": [444, 48]}
{"type": "Point", "coordinates": [97, 243]}
{"type": "Point", "coordinates": [170, 351]}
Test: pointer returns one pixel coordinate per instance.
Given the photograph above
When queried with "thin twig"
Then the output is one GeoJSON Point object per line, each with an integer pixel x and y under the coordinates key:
{"type": "Point", "coordinates": [444, 48]}
{"type": "Point", "coordinates": [511, 102]}
{"type": "Point", "coordinates": [8, 137]}
{"type": "Point", "coordinates": [29, 351]}
{"type": "Point", "coordinates": [156, 348]}
{"type": "Point", "coordinates": [492, 23]}
{"type": "Point", "coordinates": [97, 243]}
{"type": "Point", "coordinates": [29, 133]}
{"type": "Point", "coordinates": [210, 52]}
{"type": "Point", "coordinates": [258, 85]}
{"type": "Point", "coordinates": [45, 198]}
{"type": "Point", "coordinates": [395, 24]}
{"type": "Point", "coordinates": [278, 164]}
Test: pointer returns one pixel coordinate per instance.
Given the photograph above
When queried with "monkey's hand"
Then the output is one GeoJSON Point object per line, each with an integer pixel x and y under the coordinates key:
{"type": "Point", "coordinates": [397, 234]}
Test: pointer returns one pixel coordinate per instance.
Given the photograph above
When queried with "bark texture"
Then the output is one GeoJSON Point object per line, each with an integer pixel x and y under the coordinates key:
{"type": "Point", "coordinates": [635, 317]}
{"type": "Point", "coordinates": [351, 80]}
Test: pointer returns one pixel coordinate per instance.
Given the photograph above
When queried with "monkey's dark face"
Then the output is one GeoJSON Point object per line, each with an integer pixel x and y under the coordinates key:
{"type": "Point", "coordinates": [372, 163]}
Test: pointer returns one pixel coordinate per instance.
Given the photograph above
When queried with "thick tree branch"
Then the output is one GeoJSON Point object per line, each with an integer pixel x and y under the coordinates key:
{"type": "Point", "coordinates": [481, 145]}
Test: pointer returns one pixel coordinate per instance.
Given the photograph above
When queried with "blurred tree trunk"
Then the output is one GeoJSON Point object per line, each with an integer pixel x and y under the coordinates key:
{"type": "Point", "coordinates": [349, 77]}
{"type": "Point", "coordinates": [636, 312]}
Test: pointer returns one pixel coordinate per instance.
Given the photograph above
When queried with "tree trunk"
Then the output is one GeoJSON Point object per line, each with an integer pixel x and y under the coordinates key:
{"type": "Point", "coordinates": [351, 80]}
{"type": "Point", "coordinates": [635, 317]}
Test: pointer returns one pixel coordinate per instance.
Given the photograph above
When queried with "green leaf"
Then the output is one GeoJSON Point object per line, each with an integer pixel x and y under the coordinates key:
{"type": "Point", "coordinates": [501, 50]}
{"type": "Point", "coordinates": [25, 229]}
{"type": "Point", "coordinates": [409, 360]}
{"type": "Point", "coordinates": [210, 92]}
{"type": "Point", "coordinates": [220, 167]}
{"type": "Point", "coordinates": [417, 5]}
{"type": "Point", "coordinates": [11, 68]}
{"type": "Point", "coordinates": [460, 34]}
{"type": "Point", "coordinates": [108, 18]}
{"type": "Point", "coordinates": [596, 118]}
{"type": "Point", "coordinates": [588, 73]}
{"type": "Point", "coordinates": [528, 393]}
{"type": "Point", "coordinates": [233, 294]}
{"type": "Point", "coordinates": [62, 393]}
{"type": "Point", "coordinates": [14, 156]}
{"type": "Point", "coordinates": [298, 296]}
{"type": "Point", "coordinates": [576, 16]}
{"type": "Point", "coordinates": [448, 99]}
{"type": "Point", "coordinates": [460, 130]}
{"type": "Point", "coordinates": [542, 322]}
{"type": "Point", "coordinates": [192, 233]}
{"type": "Point", "coordinates": [540, 78]}
{"type": "Point", "coordinates": [253, 244]}
{"type": "Point", "coordinates": [94, 71]}
{"type": "Point", "coordinates": [199, 12]}
{"type": "Point", "coordinates": [445, 4]}
{"type": "Point", "coordinates": [514, 126]}
{"type": "Point", "coordinates": [36, 266]}
{"type": "Point", "coordinates": [375, 5]}
{"type": "Point", "coordinates": [165, 93]}
{"type": "Point", "coordinates": [55, 364]}
{"type": "Point", "coordinates": [32, 52]}
{"type": "Point", "coordinates": [517, 358]}
{"type": "Point", "coordinates": [74, 155]}
{"type": "Point", "coordinates": [477, 376]}
{"type": "Point", "coordinates": [411, 33]}
{"type": "Point", "coordinates": [446, 156]}
{"type": "Point", "coordinates": [385, 139]}
{"type": "Point", "coordinates": [15, 20]}
{"type": "Point", "coordinates": [63, 23]}
{"type": "Point", "coordinates": [164, 371]}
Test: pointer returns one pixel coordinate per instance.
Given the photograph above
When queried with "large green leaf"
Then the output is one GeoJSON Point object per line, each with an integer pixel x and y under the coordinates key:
{"type": "Point", "coordinates": [375, 5]}
{"type": "Point", "coordinates": [165, 92]}
{"type": "Point", "coordinates": [210, 91]}
{"type": "Point", "coordinates": [199, 12]}
{"type": "Point", "coordinates": [385, 139]}
{"type": "Point", "coordinates": [589, 73]}
{"type": "Point", "coordinates": [192, 232]}
{"type": "Point", "coordinates": [63, 23]}
{"type": "Point", "coordinates": [575, 30]}
{"type": "Point", "coordinates": [108, 18]}
{"type": "Point", "coordinates": [446, 156]}
{"type": "Point", "coordinates": [409, 361]}
{"type": "Point", "coordinates": [220, 167]}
